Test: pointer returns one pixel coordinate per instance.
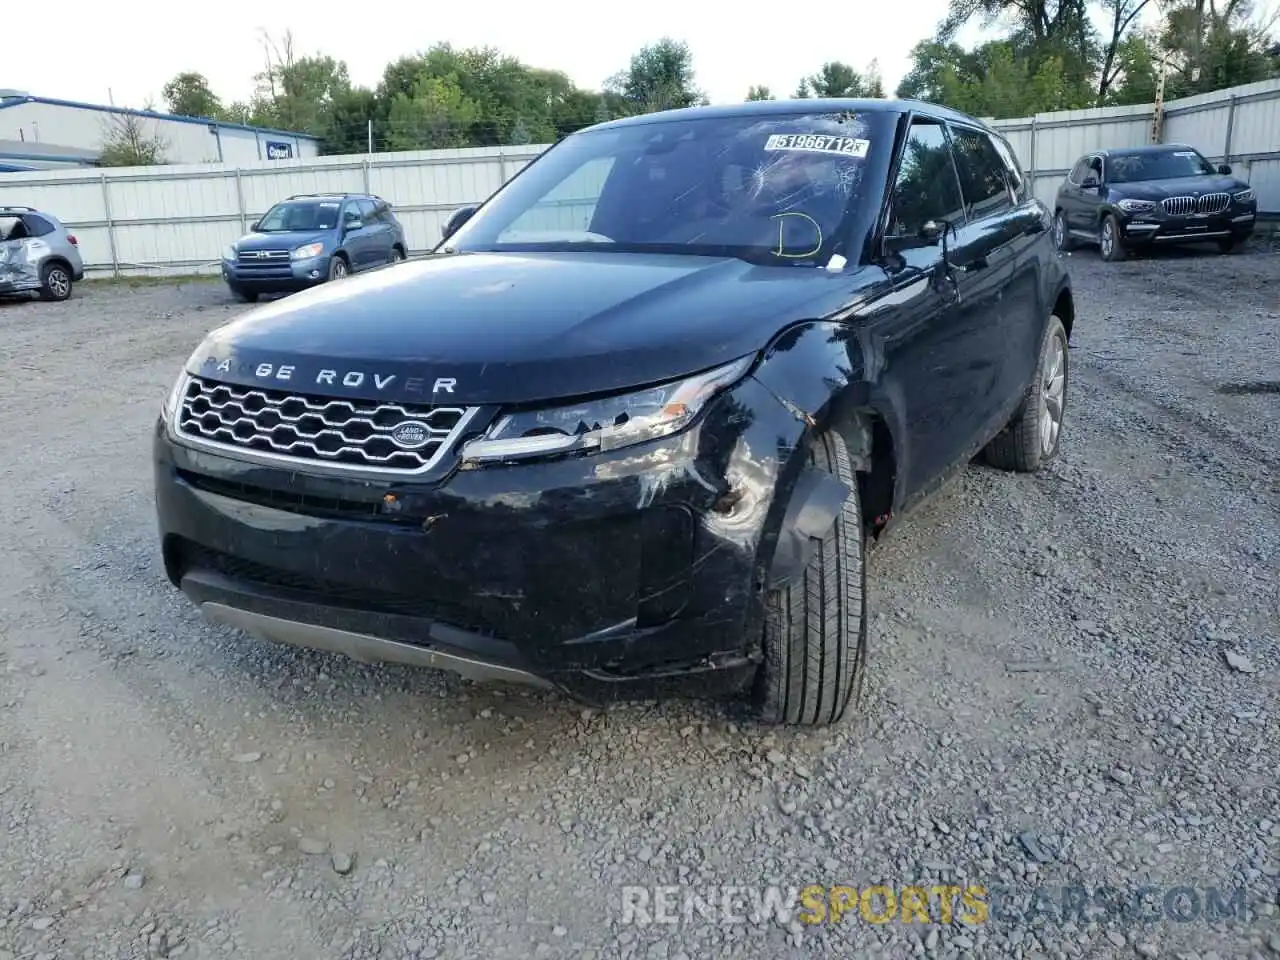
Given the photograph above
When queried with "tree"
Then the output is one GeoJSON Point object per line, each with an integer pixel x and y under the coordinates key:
{"type": "Point", "coordinates": [660, 77]}
{"type": "Point", "coordinates": [759, 93]}
{"type": "Point", "coordinates": [874, 81]}
{"type": "Point", "coordinates": [435, 115]}
{"type": "Point", "coordinates": [188, 95]}
{"type": "Point", "coordinates": [835, 79]}
{"type": "Point", "coordinates": [126, 142]}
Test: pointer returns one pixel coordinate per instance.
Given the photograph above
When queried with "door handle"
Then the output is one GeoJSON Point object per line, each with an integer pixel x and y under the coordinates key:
{"type": "Point", "coordinates": [978, 263]}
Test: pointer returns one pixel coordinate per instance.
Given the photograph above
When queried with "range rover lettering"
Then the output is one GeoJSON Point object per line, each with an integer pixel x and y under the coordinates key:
{"type": "Point", "coordinates": [638, 420]}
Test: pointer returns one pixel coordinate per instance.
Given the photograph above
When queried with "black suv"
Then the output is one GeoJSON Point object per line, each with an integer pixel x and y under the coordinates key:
{"type": "Point", "coordinates": [1161, 194]}
{"type": "Point", "coordinates": [638, 417]}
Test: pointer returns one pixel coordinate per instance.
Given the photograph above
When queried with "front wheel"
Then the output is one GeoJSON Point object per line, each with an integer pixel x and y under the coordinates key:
{"type": "Point", "coordinates": [1034, 435]}
{"type": "Point", "coordinates": [338, 268]}
{"type": "Point", "coordinates": [244, 296]}
{"type": "Point", "coordinates": [1110, 243]}
{"type": "Point", "coordinates": [1229, 244]}
{"type": "Point", "coordinates": [815, 633]}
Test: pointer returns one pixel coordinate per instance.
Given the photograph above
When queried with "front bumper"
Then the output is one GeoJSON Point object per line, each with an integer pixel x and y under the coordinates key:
{"type": "Point", "coordinates": [643, 564]}
{"type": "Point", "coordinates": [276, 277]}
{"type": "Point", "coordinates": [1154, 229]}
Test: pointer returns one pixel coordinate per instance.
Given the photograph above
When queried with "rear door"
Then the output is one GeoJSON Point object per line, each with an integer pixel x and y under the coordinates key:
{"type": "Point", "coordinates": [379, 231]}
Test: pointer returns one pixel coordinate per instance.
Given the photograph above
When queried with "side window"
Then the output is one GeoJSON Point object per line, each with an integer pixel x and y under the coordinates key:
{"type": "Point", "coordinates": [982, 178]}
{"type": "Point", "coordinates": [1079, 170]}
{"type": "Point", "coordinates": [1012, 169]}
{"type": "Point", "coordinates": [37, 226]}
{"type": "Point", "coordinates": [926, 188]}
{"type": "Point", "coordinates": [570, 206]}
{"type": "Point", "coordinates": [367, 211]}
{"type": "Point", "coordinates": [350, 212]}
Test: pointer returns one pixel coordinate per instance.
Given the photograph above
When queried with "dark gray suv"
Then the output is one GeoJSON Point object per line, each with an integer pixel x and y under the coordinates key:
{"type": "Point", "coordinates": [310, 239]}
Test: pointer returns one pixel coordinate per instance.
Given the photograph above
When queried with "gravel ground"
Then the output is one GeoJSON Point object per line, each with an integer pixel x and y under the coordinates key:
{"type": "Point", "coordinates": [1073, 683]}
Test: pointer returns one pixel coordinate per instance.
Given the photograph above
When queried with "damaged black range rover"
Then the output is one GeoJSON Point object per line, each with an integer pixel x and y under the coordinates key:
{"type": "Point", "coordinates": [640, 415]}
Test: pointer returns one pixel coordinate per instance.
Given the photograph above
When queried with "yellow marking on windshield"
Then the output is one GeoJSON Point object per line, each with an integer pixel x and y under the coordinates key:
{"type": "Point", "coordinates": [796, 256]}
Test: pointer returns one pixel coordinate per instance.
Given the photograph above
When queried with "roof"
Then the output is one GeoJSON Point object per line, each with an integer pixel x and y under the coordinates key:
{"type": "Point", "coordinates": [1142, 148]}
{"type": "Point", "coordinates": [152, 115]}
{"type": "Point", "coordinates": [765, 108]}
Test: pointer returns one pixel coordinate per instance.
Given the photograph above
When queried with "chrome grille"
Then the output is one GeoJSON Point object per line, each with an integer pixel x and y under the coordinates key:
{"type": "Point", "coordinates": [354, 435]}
{"type": "Point", "coordinates": [1212, 203]}
{"type": "Point", "coordinates": [263, 256]}
{"type": "Point", "coordinates": [1208, 204]}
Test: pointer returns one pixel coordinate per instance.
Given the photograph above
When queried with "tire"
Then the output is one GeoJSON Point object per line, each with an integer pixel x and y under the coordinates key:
{"type": "Point", "coordinates": [55, 282]}
{"type": "Point", "coordinates": [397, 255]}
{"type": "Point", "coordinates": [1110, 242]}
{"type": "Point", "coordinates": [815, 633]}
{"type": "Point", "coordinates": [1229, 244]}
{"type": "Point", "coordinates": [338, 268]}
{"type": "Point", "coordinates": [1061, 236]}
{"type": "Point", "coordinates": [1027, 442]}
{"type": "Point", "coordinates": [244, 296]}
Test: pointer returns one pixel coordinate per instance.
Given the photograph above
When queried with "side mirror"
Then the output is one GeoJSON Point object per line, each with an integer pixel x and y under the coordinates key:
{"type": "Point", "coordinates": [1224, 169]}
{"type": "Point", "coordinates": [354, 224]}
{"type": "Point", "coordinates": [253, 227]}
{"type": "Point", "coordinates": [929, 235]}
{"type": "Point", "coordinates": [456, 220]}
{"type": "Point", "coordinates": [1090, 182]}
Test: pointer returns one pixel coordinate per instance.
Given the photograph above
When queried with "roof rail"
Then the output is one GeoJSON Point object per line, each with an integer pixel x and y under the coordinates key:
{"type": "Point", "coordinates": [17, 207]}
{"type": "Point", "coordinates": [303, 196]}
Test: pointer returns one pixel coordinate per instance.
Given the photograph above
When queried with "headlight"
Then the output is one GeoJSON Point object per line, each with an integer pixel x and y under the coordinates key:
{"type": "Point", "coordinates": [1243, 196]}
{"type": "Point", "coordinates": [229, 253]}
{"type": "Point", "coordinates": [310, 250]}
{"type": "Point", "coordinates": [174, 400]}
{"type": "Point", "coordinates": [1136, 206]}
{"type": "Point", "coordinates": [597, 426]}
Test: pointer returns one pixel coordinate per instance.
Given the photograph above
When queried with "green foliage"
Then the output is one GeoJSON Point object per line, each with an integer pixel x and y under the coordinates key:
{"type": "Point", "coordinates": [1067, 54]}
{"type": "Point", "coordinates": [127, 141]}
{"type": "Point", "coordinates": [660, 77]}
{"type": "Point", "coordinates": [188, 95]}
{"type": "Point", "coordinates": [759, 93]}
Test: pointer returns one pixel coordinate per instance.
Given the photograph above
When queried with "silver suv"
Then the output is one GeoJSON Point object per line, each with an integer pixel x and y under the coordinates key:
{"type": "Point", "coordinates": [37, 254]}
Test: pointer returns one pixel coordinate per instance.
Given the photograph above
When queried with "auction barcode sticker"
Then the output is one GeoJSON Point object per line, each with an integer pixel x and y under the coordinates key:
{"type": "Point", "coordinates": [818, 143]}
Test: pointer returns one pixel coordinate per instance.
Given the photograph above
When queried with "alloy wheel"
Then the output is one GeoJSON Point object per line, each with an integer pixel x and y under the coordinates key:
{"type": "Point", "coordinates": [1052, 395]}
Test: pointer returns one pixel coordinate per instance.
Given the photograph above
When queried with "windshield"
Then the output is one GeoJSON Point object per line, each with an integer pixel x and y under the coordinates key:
{"type": "Point", "coordinates": [768, 188]}
{"type": "Point", "coordinates": [1165, 165]}
{"type": "Point", "coordinates": [300, 215]}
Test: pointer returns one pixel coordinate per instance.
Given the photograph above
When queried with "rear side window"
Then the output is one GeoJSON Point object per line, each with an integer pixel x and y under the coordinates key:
{"type": "Point", "coordinates": [982, 177]}
{"type": "Point", "coordinates": [366, 209]}
{"type": "Point", "coordinates": [1012, 169]}
{"type": "Point", "coordinates": [37, 226]}
{"type": "Point", "coordinates": [1079, 170]}
{"type": "Point", "coordinates": [926, 187]}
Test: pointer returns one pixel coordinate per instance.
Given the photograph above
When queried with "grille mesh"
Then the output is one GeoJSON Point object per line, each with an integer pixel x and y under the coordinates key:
{"type": "Point", "coordinates": [356, 434]}
{"type": "Point", "coordinates": [1210, 203]}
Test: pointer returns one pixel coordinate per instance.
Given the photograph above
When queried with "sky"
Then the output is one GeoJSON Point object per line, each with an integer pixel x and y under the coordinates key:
{"type": "Point", "coordinates": [115, 52]}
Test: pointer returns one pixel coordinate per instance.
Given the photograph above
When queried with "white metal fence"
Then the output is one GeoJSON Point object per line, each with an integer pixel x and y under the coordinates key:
{"type": "Point", "coordinates": [177, 219]}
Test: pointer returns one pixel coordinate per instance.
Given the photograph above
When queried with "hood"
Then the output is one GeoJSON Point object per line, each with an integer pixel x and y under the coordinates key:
{"type": "Point", "coordinates": [1178, 187]}
{"type": "Point", "coordinates": [519, 327]}
{"type": "Point", "coordinates": [280, 240]}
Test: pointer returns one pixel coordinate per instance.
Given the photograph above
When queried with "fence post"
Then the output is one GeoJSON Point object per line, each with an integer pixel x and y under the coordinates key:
{"type": "Point", "coordinates": [111, 227]}
{"type": "Point", "coordinates": [1032, 169]}
{"type": "Point", "coordinates": [240, 201]}
{"type": "Point", "coordinates": [1231, 122]}
{"type": "Point", "coordinates": [364, 168]}
{"type": "Point", "coordinates": [502, 166]}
